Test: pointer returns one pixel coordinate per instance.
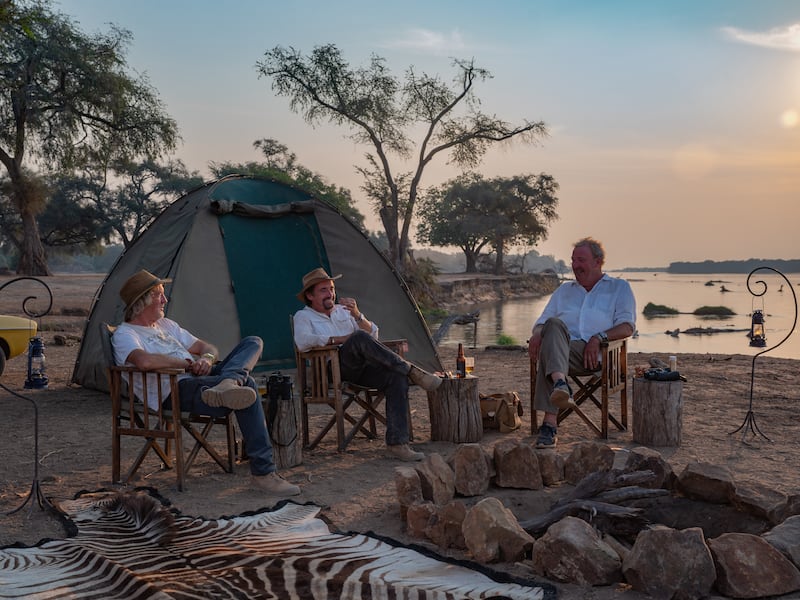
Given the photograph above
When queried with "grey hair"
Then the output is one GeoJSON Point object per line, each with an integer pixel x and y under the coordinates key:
{"type": "Point", "coordinates": [594, 246]}
{"type": "Point", "coordinates": [137, 307]}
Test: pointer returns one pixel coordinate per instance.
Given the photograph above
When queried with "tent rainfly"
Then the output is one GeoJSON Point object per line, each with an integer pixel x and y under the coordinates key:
{"type": "Point", "coordinates": [236, 250]}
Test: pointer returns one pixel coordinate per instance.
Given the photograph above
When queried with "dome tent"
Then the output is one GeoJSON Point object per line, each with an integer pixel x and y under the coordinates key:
{"type": "Point", "coordinates": [236, 250]}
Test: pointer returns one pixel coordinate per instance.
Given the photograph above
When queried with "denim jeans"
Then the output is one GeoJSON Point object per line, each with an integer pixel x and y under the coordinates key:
{"type": "Point", "coordinates": [363, 360]}
{"type": "Point", "coordinates": [237, 365]}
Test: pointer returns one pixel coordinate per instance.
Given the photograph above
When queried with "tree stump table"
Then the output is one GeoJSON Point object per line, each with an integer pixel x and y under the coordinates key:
{"type": "Point", "coordinates": [657, 412]}
{"type": "Point", "coordinates": [455, 411]}
{"type": "Point", "coordinates": [284, 431]}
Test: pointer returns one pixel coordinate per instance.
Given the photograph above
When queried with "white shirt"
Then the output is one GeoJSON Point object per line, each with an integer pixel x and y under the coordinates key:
{"type": "Point", "coordinates": [609, 303]}
{"type": "Point", "coordinates": [313, 329]}
{"type": "Point", "coordinates": [164, 337]}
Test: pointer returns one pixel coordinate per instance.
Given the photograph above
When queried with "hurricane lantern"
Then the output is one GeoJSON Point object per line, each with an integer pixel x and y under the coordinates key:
{"type": "Point", "coordinates": [758, 338]}
{"type": "Point", "coordinates": [37, 372]}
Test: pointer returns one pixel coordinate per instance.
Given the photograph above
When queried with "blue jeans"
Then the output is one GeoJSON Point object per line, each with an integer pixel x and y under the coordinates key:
{"type": "Point", "coordinates": [237, 365]}
{"type": "Point", "coordinates": [363, 360]}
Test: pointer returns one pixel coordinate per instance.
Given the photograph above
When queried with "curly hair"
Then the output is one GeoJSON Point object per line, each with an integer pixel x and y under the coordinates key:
{"type": "Point", "coordinates": [594, 246]}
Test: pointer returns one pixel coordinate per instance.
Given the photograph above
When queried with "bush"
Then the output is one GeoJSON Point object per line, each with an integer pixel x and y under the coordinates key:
{"type": "Point", "coordinates": [658, 309]}
{"type": "Point", "coordinates": [714, 311]}
{"type": "Point", "coordinates": [506, 340]}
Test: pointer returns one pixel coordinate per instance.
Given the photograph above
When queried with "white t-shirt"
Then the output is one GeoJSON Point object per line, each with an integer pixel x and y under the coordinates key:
{"type": "Point", "coordinates": [164, 337]}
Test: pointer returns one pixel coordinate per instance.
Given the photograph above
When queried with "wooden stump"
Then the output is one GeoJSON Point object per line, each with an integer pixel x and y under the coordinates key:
{"type": "Point", "coordinates": [455, 411]}
{"type": "Point", "coordinates": [657, 410]}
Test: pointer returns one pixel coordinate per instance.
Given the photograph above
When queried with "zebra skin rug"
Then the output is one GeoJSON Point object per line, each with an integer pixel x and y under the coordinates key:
{"type": "Point", "coordinates": [130, 545]}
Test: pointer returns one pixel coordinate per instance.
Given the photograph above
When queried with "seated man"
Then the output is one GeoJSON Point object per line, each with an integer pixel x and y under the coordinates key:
{"type": "Point", "coordinates": [148, 340]}
{"type": "Point", "coordinates": [363, 359]}
{"type": "Point", "coordinates": [581, 314]}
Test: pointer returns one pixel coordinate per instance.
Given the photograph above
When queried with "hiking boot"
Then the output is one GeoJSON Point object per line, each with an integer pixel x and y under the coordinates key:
{"type": "Point", "coordinates": [230, 394]}
{"type": "Point", "coordinates": [547, 436]}
{"type": "Point", "coordinates": [427, 381]}
{"type": "Point", "coordinates": [404, 453]}
{"type": "Point", "coordinates": [275, 485]}
{"type": "Point", "coordinates": [561, 396]}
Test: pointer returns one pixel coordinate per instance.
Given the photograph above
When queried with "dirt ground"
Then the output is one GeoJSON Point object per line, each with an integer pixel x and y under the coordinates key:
{"type": "Point", "coordinates": [356, 487]}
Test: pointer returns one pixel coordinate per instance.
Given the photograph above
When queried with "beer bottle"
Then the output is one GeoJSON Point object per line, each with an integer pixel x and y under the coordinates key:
{"type": "Point", "coordinates": [461, 363]}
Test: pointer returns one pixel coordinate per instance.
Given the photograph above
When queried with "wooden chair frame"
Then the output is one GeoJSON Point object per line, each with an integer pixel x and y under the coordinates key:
{"type": "Point", "coordinates": [160, 429]}
{"type": "Point", "coordinates": [320, 382]}
{"type": "Point", "coordinates": [610, 379]}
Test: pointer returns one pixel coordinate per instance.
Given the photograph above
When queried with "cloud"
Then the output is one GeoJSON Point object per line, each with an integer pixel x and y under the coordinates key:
{"type": "Point", "coordinates": [431, 42]}
{"type": "Point", "coordinates": [779, 38]}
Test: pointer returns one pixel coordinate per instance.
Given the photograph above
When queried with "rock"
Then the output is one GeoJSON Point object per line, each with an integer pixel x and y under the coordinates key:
{"type": "Point", "coordinates": [759, 500]}
{"type": "Point", "coordinates": [408, 487]}
{"type": "Point", "coordinates": [585, 458]}
{"type": "Point", "coordinates": [786, 538]}
{"type": "Point", "coordinates": [551, 466]}
{"type": "Point", "coordinates": [437, 479]}
{"type": "Point", "coordinates": [445, 528]}
{"type": "Point", "coordinates": [708, 482]}
{"type": "Point", "coordinates": [667, 563]}
{"type": "Point", "coordinates": [571, 551]}
{"type": "Point", "coordinates": [517, 466]}
{"type": "Point", "coordinates": [643, 458]}
{"type": "Point", "coordinates": [492, 533]}
{"type": "Point", "coordinates": [749, 567]}
{"type": "Point", "coordinates": [472, 469]}
{"type": "Point", "coordinates": [419, 517]}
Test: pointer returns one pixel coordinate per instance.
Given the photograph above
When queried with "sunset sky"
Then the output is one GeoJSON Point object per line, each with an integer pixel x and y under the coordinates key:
{"type": "Point", "coordinates": [674, 125]}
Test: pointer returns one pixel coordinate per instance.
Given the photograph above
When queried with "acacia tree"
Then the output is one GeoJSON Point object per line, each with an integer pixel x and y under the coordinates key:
{"type": "Point", "coordinates": [66, 99]}
{"type": "Point", "coordinates": [383, 111]}
{"type": "Point", "coordinates": [473, 213]}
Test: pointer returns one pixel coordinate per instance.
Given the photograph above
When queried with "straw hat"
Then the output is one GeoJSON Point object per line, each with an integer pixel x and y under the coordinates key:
{"type": "Point", "coordinates": [138, 285]}
{"type": "Point", "coordinates": [311, 279]}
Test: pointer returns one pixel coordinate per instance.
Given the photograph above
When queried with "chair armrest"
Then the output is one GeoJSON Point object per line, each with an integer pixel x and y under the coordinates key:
{"type": "Point", "coordinates": [128, 369]}
{"type": "Point", "coordinates": [400, 346]}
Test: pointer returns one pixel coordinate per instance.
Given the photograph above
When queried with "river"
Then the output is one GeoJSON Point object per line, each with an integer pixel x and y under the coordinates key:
{"type": "Point", "coordinates": [514, 317]}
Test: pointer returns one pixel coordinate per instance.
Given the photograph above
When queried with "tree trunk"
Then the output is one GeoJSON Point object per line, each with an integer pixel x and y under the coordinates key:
{"type": "Point", "coordinates": [32, 258]}
{"type": "Point", "coordinates": [498, 263]}
{"type": "Point", "coordinates": [471, 268]}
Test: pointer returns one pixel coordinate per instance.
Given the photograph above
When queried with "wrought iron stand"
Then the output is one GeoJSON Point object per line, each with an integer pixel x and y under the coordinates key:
{"type": "Point", "coordinates": [749, 424]}
{"type": "Point", "coordinates": [35, 493]}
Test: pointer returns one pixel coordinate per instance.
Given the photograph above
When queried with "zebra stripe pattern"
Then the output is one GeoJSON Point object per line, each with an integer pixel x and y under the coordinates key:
{"type": "Point", "coordinates": [130, 546]}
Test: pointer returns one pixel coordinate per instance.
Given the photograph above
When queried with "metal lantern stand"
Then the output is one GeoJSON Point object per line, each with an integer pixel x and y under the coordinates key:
{"type": "Point", "coordinates": [35, 493]}
{"type": "Point", "coordinates": [749, 424]}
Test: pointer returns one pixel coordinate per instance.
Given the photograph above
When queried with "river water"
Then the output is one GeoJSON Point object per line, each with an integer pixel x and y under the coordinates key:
{"type": "Point", "coordinates": [682, 292]}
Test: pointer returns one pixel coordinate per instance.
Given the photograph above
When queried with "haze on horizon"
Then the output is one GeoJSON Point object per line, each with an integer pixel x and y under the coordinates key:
{"type": "Point", "coordinates": [673, 126]}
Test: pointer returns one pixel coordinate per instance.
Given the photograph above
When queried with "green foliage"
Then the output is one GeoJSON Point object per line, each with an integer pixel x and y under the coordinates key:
{"type": "Point", "coordinates": [651, 310]}
{"type": "Point", "coordinates": [474, 213]}
{"type": "Point", "coordinates": [382, 111]}
{"type": "Point", "coordinates": [713, 311]}
{"type": "Point", "coordinates": [420, 276]}
{"type": "Point", "coordinates": [68, 100]}
{"type": "Point", "coordinates": [506, 340]}
{"type": "Point", "coordinates": [281, 165]}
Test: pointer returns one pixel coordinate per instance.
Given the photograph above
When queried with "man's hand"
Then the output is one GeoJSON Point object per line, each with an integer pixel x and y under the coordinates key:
{"type": "Point", "coordinates": [201, 366]}
{"type": "Point", "coordinates": [591, 354]}
{"type": "Point", "coordinates": [351, 305]}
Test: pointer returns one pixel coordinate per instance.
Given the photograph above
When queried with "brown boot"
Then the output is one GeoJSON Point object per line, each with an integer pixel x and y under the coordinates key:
{"type": "Point", "coordinates": [404, 453]}
{"type": "Point", "coordinates": [427, 381]}
{"type": "Point", "coordinates": [230, 394]}
{"type": "Point", "coordinates": [275, 485]}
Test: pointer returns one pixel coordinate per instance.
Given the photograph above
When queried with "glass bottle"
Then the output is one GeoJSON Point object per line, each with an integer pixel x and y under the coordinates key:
{"type": "Point", "coordinates": [461, 363]}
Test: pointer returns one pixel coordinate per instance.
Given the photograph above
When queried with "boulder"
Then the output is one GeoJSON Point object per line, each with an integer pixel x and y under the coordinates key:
{"type": "Point", "coordinates": [437, 479]}
{"type": "Point", "coordinates": [472, 469]}
{"type": "Point", "coordinates": [492, 533]}
{"type": "Point", "coordinates": [707, 482]}
{"type": "Point", "coordinates": [517, 466]}
{"type": "Point", "coordinates": [585, 458]}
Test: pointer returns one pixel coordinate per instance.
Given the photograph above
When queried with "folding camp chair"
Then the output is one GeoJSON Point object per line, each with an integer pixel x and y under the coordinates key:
{"type": "Point", "coordinates": [131, 417]}
{"type": "Point", "coordinates": [610, 379]}
{"type": "Point", "coordinates": [320, 382]}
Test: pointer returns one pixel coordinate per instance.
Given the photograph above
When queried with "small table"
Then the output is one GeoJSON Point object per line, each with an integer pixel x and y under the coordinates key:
{"type": "Point", "coordinates": [455, 411]}
{"type": "Point", "coordinates": [657, 411]}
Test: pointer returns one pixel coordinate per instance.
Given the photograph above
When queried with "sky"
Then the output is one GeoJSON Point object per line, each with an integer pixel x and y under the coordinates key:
{"type": "Point", "coordinates": [673, 125]}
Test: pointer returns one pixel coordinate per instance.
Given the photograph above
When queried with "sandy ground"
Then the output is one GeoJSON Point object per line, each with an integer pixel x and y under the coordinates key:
{"type": "Point", "coordinates": [356, 487]}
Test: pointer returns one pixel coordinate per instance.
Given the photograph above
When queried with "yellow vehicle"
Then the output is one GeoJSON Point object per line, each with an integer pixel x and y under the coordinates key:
{"type": "Point", "coordinates": [15, 333]}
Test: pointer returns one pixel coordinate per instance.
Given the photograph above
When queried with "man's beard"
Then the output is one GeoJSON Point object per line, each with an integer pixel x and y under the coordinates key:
{"type": "Point", "coordinates": [328, 303]}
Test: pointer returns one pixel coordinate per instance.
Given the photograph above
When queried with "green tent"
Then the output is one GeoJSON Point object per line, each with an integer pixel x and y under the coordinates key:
{"type": "Point", "coordinates": [236, 250]}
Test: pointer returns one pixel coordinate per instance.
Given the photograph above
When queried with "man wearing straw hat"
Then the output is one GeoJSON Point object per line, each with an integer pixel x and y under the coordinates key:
{"type": "Point", "coordinates": [363, 359]}
{"type": "Point", "coordinates": [148, 340]}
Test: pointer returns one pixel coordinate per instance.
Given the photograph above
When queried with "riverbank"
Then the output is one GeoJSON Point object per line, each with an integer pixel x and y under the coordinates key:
{"type": "Point", "coordinates": [462, 289]}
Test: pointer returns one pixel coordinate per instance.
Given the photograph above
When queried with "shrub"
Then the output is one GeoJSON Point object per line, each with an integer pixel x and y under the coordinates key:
{"type": "Point", "coordinates": [658, 309]}
{"type": "Point", "coordinates": [506, 340]}
{"type": "Point", "coordinates": [715, 311]}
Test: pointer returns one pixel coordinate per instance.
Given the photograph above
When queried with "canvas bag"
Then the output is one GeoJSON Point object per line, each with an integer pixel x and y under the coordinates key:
{"type": "Point", "coordinates": [501, 411]}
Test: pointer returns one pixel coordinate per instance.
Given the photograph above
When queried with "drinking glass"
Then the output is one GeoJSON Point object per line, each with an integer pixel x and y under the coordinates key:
{"type": "Point", "coordinates": [469, 364]}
